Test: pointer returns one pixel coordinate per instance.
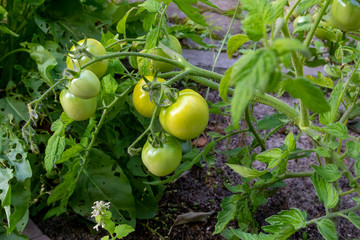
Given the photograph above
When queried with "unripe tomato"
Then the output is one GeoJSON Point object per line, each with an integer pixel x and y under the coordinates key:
{"type": "Point", "coordinates": [87, 85]}
{"type": "Point", "coordinates": [187, 118]}
{"type": "Point", "coordinates": [94, 47]}
{"type": "Point", "coordinates": [77, 109]}
{"type": "Point", "coordinates": [321, 33]}
{"type": "Point", "coordinates": [345, 15]}
{"type": "Point", "coordinates": [171, 43]}
{"type": "Point", "coordinates": [163, 160]}
{"type": "Point", "coordinates": [141, 98]}
{"type": "Point", "coordinates": [301, 20]}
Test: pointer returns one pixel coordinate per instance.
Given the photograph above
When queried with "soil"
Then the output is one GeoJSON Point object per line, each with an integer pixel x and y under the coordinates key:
{"type": "Point", "coordinates": [201, 189]}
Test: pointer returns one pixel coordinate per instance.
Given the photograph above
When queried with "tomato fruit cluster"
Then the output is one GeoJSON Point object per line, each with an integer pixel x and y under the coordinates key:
{"type": "Point", "coordinates": [345, 14]}
{"type": "Point", "coordinates": [79, 101]}
{"type": "Point", "coordinates": [164, 159]}
{"type": "Point", "coordinates": [187, 118]}
{"type": "Point", "coordinates": [95, 48]}
{"type": "Point", "coordinates": [141, 98]}
{"type": "Point", "coordinates": [171, 42]}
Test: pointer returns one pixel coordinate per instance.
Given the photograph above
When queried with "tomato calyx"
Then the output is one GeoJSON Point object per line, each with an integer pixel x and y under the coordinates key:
{"type": "Point", "coordinates": [80, 50]}
{"type": "Point", "coordinates": [161, 94]}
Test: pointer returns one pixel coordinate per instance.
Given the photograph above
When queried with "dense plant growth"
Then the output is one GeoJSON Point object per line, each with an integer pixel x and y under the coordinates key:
{"type": "Point", "coordinates": [87, 117]}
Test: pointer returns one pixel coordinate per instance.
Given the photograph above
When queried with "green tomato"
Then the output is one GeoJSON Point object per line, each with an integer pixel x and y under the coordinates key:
{"type": "Point", "coordinates": [171, 43]}
{"type": "Point", "coordinates": [163, 160]}
{"type": "Point", "coordinates": [345, 15]}
{"type": "Point", "coordinates": [187, 118]}
{"type": "Point", "coordinates": [322, 33]}
{"type": "Point", "coordinates": [141, 98]}
{"type": "Point", "coordinates": [87, 85]}
{"type": "Point", "coordinates": [77, 109]}
{"type": "Point", "coordinates": [300, 21]}
{"type": "Point", "coordinates": [94, 47]}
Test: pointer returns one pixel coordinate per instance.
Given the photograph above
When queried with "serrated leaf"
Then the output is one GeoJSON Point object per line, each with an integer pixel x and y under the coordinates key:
{"type": "Point", "coordinates": [17, 157]}
{"type": "Point", "coordinates": [121, 26]}
{"type": "Point", "coordinates": [249, 236]}
{"type": "Point", "coordinates": [294, 217]}
{"type": "Point", "coordinates": [306, 4]}
{"type": "Point", "coordinates": [325, 191]}
{"type": "Point", "coordinates": [228, 212]}
{"type": "Point", "coordinates": [322, 152]}
{"type": "Point", "coordinates": [285, 45]}
{"type": "Point", "coordinates": [234, 43]}
{"type": "Point", "coordinates": [338, 130]}
{"type": "Point", "coordinates": [353, 149]}
{"type": "Point", "coordinates": [327, 229]}
{"type": "Point", "coordinates": [16, 108]}
{"type": "Point", "coordinates": [246, 172]}
{"type": "Point", "coordinates": [250, 73]}
{"type": "Point", "coordinates": [354, 219]}
{"type": "Point", "coordinates": [101, 175]}
{"type": "Point", "coordinates": [329, 117]}
{"type": "Point", "coordinates": [5, 175]}
{"type": "Point", "coordinates": [70, 153]}
{"type": "Point", "coordinates": [65, 189]}
{"type": "Point", "coordinates": [290, 142]}
{"type": "Point", "coordinates": [272, 121]}
{"type": "Point", "coordinates": [123, 230]}
{"type": "Point", "coordinates": [109, 84]}
{"type": "Point", "coordinates": [187, 7]}
{"type": "Point", "coordinates": [329, 172]}
{"type": "Point", "coordinates": [55, 146]}
{"type": "Point", "coordinates": [311, 95]}
{"type": "Point", "coordinates": [322, 80]}
{"type": "Point", "coordinates": [151, 5]}
{"type": "Point", "coordinates": [272, 157]}
{"type": "Point", "coordinates": [44, 59]}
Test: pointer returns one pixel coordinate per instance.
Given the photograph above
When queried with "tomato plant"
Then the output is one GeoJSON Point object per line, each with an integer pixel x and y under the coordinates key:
{"type": "Point", "coordinates": [86, 85]}
{"type": "Point", "coordinates": [141, 98]}
{"type": "Point", "coordinates": [187, 118]}
{"type": "Point", "coordinates": [171, 42]}
{"type": "Point", "coordinates": [93, 47]}
{"type": "Point", "coordinates": [345, 15]}
{"type": "Point", "coordinates": [164, 159]}
{"type": "Point", "coordinates": [77, 109]}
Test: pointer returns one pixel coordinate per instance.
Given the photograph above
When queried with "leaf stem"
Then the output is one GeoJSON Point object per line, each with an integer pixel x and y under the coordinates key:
{"type": "Point", "coordinates": [332, 215]}
{"type": "Point", "coordinates": [252, 129]}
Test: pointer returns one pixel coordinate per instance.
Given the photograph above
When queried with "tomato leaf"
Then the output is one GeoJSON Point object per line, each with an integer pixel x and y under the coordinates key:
{"type": "Point", "coordinates": [327, 229]}
{"type": "Point", "coordinates": [353, 148]}
{"type": "Point", "coordinates": [311, 95]}
{"type": "Point", "coordinates": [250, 236]}
{"type": "Point", "coordinates": [354, 219]}
{"type": "Point", "coordinates": [325, 191]}
{"type": "Point", "coordinates": [285, 45]}
{"type": "Point", "coordinates": [234, 43]}
{"type": "Point", "coordinates": [224, 85]}
{"type": "Point", "coordinates": [5, 175]}
{"type": "Point", "coordinates": [187, 7]}
{"type": "Point", "coordinates": [246, 172]}
{"type": "Point", "coordinates": [10, 107]}
{"type": "Point", "coordinates": [338, 130]}
{"type": "Point", "coordinates": [260, 13]}
{"type": "Point", "coordinates": [228, 212]}
{"type": "Point", "coordinates": [321, 80]}
{"type": "Point", "coordinates": [121, 26]}
{"type": "Point", "coordinates": [306, 4]}
{"type": "Point", "coordinates": [250, 73]}
{"type": "Point", "coordinates": [272, 157]}
{"type": "Point", "coordinates": [294, 217]}
{"type": "Point", "coordinates": [44, 59]}
{"type": "Point", "coordinates": [329, 117]}
{"type": "Point", "coordinates": [98, 180]}
{"type": "Point", "coordinates": [152, 6]}
{"type": "Point", "coordinates": [329, 172]}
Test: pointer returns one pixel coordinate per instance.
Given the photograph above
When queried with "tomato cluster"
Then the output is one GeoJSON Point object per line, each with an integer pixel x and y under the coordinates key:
{"type": "Point", "coordinates": [184, 119]}
{"type": "Point", "coordinates": [79, 101]}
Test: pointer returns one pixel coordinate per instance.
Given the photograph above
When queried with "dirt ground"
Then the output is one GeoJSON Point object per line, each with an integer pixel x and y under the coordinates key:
{"type": "Point", "coordinates": [202, 190]}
